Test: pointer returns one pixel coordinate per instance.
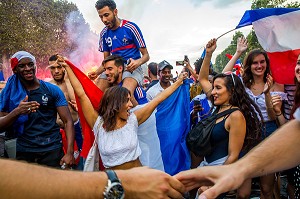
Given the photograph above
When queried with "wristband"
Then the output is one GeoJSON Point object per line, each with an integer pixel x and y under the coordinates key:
{"type": "Point", "coordinates": [278, 114]}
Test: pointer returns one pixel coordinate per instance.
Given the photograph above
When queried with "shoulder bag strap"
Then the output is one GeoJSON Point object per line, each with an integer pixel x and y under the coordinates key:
{"type": "Point", "coordinates": [228, 111]}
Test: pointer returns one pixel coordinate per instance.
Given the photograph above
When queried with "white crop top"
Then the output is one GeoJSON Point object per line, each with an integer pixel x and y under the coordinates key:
{"type": "Point", "coordinates": [118, 146]}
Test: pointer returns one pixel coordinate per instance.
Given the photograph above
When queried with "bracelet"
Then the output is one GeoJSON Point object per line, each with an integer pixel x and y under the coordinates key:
{"type": "Point", "coordinates": [278, 114]}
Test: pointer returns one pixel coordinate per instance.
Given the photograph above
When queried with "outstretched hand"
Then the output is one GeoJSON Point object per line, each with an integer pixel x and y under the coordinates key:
{"type": "Point", "coordinates": [212, 180]}
{"type": "Point", "coordinates": [145, 183]}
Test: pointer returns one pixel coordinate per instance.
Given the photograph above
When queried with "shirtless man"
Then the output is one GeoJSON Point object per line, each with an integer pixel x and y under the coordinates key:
{"type": "Point", "coordinates": [59, 79]}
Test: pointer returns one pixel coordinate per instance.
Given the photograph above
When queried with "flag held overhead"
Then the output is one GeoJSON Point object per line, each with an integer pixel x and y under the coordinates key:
{"type": "Point", "coordinates": [277, 30]}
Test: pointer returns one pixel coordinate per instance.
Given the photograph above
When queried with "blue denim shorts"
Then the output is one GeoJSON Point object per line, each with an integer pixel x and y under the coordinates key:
{"type": "Point", "coordinates": [268, 128]}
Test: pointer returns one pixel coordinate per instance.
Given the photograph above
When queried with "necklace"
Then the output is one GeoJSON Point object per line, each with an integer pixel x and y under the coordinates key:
{"type": "Point", "coordinates": [224, 105]}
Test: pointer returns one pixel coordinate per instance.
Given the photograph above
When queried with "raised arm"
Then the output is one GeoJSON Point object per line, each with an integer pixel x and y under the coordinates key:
{"type": "Point", "coordinates": [144, 113]}
{"type": "Point", "coordinates": [241, 46]}
{"type": "Point", "coordinates": [189, 67]}
{"type": "Point", "coordinates": [204, 71]}
{"type": "Point", "coordinates": [88, 110]}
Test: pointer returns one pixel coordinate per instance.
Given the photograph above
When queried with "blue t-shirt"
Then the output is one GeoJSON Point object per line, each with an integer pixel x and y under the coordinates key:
{"type": "Point", "coordinates": [124, 41]}
{"type": "Point", "coordinates": [139, 95]}
{"type": "Point", "coordinates": [41, 132]}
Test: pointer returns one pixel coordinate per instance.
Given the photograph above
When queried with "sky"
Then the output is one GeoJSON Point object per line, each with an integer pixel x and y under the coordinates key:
{"type": "Point", "coordinates": [174, 28]}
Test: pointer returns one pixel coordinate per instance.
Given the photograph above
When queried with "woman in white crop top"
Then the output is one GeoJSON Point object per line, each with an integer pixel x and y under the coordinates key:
{"type": "Point", "coordinates": [116, 127]}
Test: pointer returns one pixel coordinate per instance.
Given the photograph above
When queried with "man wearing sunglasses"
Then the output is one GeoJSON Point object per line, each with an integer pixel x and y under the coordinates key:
{"type": "Point", "coordinates": [28, 109]}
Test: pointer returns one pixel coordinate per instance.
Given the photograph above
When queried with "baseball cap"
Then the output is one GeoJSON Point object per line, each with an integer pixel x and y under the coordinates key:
{"type": "Point", "coordinates": [164, 64]}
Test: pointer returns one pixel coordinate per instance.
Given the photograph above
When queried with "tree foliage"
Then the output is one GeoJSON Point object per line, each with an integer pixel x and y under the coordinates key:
{"type": "Point", "coordinates": [221, 59]}
{"type": "Point", "coordinates": [37, 26]}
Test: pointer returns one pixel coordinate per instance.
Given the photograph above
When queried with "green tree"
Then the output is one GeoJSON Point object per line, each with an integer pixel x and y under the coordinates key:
{"type": "Point", "coordinates": [221, 59]}
{"type": "Point", "coordinates": [37, 26]}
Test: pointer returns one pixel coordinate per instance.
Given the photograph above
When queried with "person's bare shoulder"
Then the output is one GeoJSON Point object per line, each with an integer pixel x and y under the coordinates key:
{"type": "Point", "coordinates": [52, 81]}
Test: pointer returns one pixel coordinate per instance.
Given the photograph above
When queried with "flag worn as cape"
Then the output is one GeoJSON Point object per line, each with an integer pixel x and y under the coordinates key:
{"type": "Point", "coordinates": [95, 95]}
{"type": "Point", "coordinates": [277, 30]}
{"type": "Point", "coordinates": [173, 124]}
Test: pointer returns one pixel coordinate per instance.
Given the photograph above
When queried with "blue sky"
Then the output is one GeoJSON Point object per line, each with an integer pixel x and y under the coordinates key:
{"type": "Point", "coordinates": [174, 28]}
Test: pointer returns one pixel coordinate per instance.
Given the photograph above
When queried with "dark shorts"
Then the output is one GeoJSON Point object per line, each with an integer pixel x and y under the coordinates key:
{"type": "Point", "coordinates": [49, 158]}
{"type": "Point", "coordinates": [269, 128]}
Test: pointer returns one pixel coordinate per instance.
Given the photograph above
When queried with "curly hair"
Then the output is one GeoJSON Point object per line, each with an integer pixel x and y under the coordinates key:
{"type": "Point", "coordinates": [248, 61]}
{"type": "Point", "coordinates": [102, 3]}
{"type": "Point", "coordinates": [112, 101]}
{"type": "Point", "coordinates": [240, 99]}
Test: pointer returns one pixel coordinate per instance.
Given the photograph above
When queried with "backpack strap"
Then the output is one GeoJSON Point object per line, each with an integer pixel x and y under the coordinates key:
{"type": "Point", "coordinates": [228, 111]}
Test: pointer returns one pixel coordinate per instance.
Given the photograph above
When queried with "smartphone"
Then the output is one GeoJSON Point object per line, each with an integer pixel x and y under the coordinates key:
{"type": "Point", "coordinates": [186, 58]}
{"type": "Point", "coordinates": [179, 63]}
{"type": "Point", "coordinates": [196, 102]}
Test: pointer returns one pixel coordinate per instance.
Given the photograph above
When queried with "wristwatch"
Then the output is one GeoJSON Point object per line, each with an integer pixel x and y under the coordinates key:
{"type": "Point", "coordinates": [114, 188]}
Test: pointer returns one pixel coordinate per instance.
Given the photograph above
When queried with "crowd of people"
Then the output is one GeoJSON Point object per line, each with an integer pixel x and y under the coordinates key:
{"type": "Point", "coordinates": [137, 125]}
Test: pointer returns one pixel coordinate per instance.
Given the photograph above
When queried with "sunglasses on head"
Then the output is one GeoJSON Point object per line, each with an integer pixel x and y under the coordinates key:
{"type": "Point", "coordinates": [231, 74]}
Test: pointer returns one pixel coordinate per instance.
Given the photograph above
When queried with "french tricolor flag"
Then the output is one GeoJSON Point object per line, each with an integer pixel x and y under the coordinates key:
{"type": "Point", "coordinates": [278, 32]}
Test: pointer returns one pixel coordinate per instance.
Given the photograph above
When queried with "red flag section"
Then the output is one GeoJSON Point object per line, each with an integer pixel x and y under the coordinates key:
{"type": "Point", "coordinates": [95, 95]}
{"type": "Point", "coordinates": [283, 66]}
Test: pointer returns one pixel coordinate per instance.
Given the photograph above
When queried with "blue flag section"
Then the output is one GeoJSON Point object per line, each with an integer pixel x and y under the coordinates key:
{"type": "Point", "coordinates": [173, 124]}
{"type": "Point", "coordinates": [251, 16]}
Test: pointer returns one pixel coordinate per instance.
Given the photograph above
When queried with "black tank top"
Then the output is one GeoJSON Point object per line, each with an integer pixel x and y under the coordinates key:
{"type": "Point", "coordinates": [220, 141]}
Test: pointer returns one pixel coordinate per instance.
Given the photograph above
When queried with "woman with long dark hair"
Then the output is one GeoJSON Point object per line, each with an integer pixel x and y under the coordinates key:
{"type": "Point", "coordinates": [260, 86]}
{"type": "Point", "coordinates": [232, 135]}
{"type": "Point", "coordinates": [115, 126]}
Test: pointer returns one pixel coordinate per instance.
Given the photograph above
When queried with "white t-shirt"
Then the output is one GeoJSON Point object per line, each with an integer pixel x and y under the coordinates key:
{"type": "Point", "coordinates": [118, 146]}
{"type": "Point", "coordinates": [153, 91]}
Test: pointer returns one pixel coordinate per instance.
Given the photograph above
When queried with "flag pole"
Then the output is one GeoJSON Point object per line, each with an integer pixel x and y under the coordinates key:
{"type": "Point", "coordinates": [225, 33]}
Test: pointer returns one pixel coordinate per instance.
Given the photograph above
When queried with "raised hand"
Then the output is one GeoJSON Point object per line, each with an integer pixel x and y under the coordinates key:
{"type": "Point", "coordinates": [241, 45]}
{"type": "Point", "coordinates": [211, 46]}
